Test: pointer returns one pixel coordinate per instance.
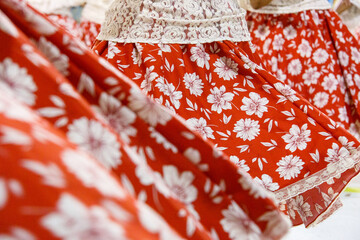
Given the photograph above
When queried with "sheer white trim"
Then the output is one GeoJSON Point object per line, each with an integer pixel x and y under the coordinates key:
{"type": "Point", "coordinates": [54, 6]}
{"type": "Point", "coordinates": [94, 10]}
{"type": "Point", "coordinates": [333, 170]}
{"type": "Point", "coordinates": [174, 21]}
{"type": "Point", "coordinates": [287, 6]}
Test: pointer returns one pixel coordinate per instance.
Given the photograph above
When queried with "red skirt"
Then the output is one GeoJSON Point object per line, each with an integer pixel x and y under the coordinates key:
{"type": "Point", "coordinates": [90, 31]}
{"type": "Point", "coordinates": [196, 189]}
{"type": "Point", "coordinates": [315, 54]}
{"type": "Point", "coordinates": [265, 127]}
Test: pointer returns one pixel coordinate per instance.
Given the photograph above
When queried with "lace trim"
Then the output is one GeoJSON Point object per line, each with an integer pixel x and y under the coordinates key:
{"type": "Point", "coordinates": [288, 6]}
{"type": "Point", "coordinates": [332, 208]}
{"type": "Point", "coordinates": [332, 171]}
{"type": "Point", "coordinates": [183, 22]}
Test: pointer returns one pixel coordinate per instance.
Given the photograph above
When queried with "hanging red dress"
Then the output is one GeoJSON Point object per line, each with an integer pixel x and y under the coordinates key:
{"type": "Point", "coordinates": [195, 58]}
{"type": "Point", "coordinates": [194, 187]}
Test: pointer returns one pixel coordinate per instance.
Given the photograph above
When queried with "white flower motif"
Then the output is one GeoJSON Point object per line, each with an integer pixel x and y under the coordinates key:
{"type": "Point", "coordinates": [355, 55]}
{"type": "Point", "coordinates": [112, 50]}
{"type": "Point", "coordinates": [91, 136]}
{"type": "Point", "coordinates": [17, 81]}
{"type": "Point", "coordinates": [304, 49]}
{"type": "Point", "coordinates": [18, 234]}
{"type": "Point", "coordinates": [247, 129]}
{"type": "Point", "coordinates": [290, 32]}
{"type": "Point", "coordinates": [169, 90]}
{"type": "Point", "coordinates": [256, 190]}
{"type": "Point", "coordinates": [193, 83]}
{"type": "Point", "coordinates": [220, 99]}
{"type": "Point", "coordinates": [262, 32]}
{"type": "Point", "coordinates": [267, 182]}
{"type": "Point", "coordinates": [147, 109]}
{"type": "Point", "coordinates": [287, 91]}
{"type": "Point", "coordinates": [74, 220]}
{"type": "Point", "coordinates": [278, 42]}
{"type": "Point", "coordinates": [343, 114]}
{"type": "Point", "coordinates": [238, 225]}
{"type": "Point", "coordinates": [330, 83]}
{"type": "Point", "coordinates": [149, 77]}
{"type": "Point", "coordinates": [321, 99]}
{"type": "Point", "coordinates": [7, 26]}
{"type": "Point", "coordinates": [297, 138]}
{"type": "Point", "coordinates": [336, 154]}
{"type": "Point", "coordinates": [226, 68]}
{"type": "Point", "coordinates": [154, 223]}
{"type": "Point", "coordinates": [91, 174]}
{"type": "Point", "coordinates": [240, 164]}
{"type": "Point", "coordinates": [119, 117]}
{"type": "Point", "coordinates": [298, 204]}
{"type": "Point", "coordinates": [199, 55]}
{"type": "Point", "coordinates": [311, 76]}
{"type": "Point", "coordinates": [295, 67]}
{"type": "Point", "coordinates": [290, 167]}
{"type": "Point", "coordinates": [344, 58]}
{"type": "Point", "coordinates": [200, 126]}
{"type": "Point", "coordinates": [180, 184]}
{"type": "Point", "coordinates": [53, 54]}
{"type": "Point", "coordinates": [320, 56]}
{"type": "Point", "coordinates": [255, 105]}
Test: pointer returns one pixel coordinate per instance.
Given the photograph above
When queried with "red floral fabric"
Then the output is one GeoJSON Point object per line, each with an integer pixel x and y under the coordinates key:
{"type": "Point", "coordinates": [195, 188]}
{"type": "Point", "coordinates": [265, 127]}
{"type": "Point", "coordinates": [90, 31]}
{"type": "Point", "coordinates": [315, 54]}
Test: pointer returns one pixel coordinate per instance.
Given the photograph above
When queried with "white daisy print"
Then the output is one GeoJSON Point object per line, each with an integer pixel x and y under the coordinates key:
{"type": "Point", "coordinates": [74, 220]}
{"type": "Point", "coordinates": [304, 49]}
{"type": "Point", "coordinates": [295, 67]}
{"type": "Point", "coordinates": [262, 32]}
{"type": "Point", "coordinates": [112, 49]}
{"type": "Point", "coordinates": [290, 32]}
{"type": "Point", "coordinates": [200, 126]}
{"type": "Point", "coordinates": [238, 225]}
{"type": "Point", "coordinates": [311, 76]}
{"type": "Point", "coordinates": [255, 105]}
{"type": "Point", "coordinates": [17, 81]}
{"type": "Point", "coordinates": [278, 42]}
{"type": "Point", "coordinates": [226, 68]}
{"type": "Point", "coordinates": [343, 114]}
{"type": "Point", "coordinates": [290, 167]}
{"type": "Point", "coordinates": [220, 99]}
{"type": "Point", "coordinates": [91, 174]}
{"type": "Point", "coordinates": [240, 163]}
{"type": "Point", "coordinates": [267, 182]}
{"type": "Point", "coordinates": [344, 58]}
{"type": "Point", "coordinates": [330, 83]}
{"type": "Point", "coordinates": [297, 138]}
{"type": "Point", "coordinates": [299, 205]}
{"type": "Point", "coordinates": [320, 56]}
{"type": "Point", "coordinates": [169, 90]}
{"type": "Point", "coordinates": [193, 83]}
{"type": "Point", "coordinates": [321, 99]}
{"type": "Point", "coordinates": [336, 154]}
{"type": "Point", "coordinates": [119, 117]}
{"type": "Point", "coordinates": [147, 109]}
{"type": "Point", "coordinates": [256, 190]}
{"type": "Point", "coordinates": [287, 91]}
{"type": "Point", "coordinates": [199, 55]}
{"type": "Point", "coordinates": [247, 129]}
{"type": "Point", "coordinates": [91, 136]}
{"type": "Point", "coordinates": [180, 184]}
{"type": "Point", "coordinates": [149, 77]}
{"type": "Point", "coordinates": [355, 55]}
{"type": "Point", "coordinates": [53, 54]}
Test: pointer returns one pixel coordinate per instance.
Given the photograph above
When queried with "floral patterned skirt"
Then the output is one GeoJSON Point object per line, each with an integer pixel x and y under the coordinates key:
{"type": "Point", "coordinates": [315, 54]}
{"type": "Point", "coordinates": [90, 31]}
{"type": "Point", "coordinates": [84, 114]}
{"type": "Point", "coordinates": [266, 128]}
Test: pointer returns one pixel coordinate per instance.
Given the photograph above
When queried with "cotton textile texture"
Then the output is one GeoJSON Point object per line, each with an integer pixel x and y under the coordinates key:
{"type": "Point", "coordinates": [196, 190]}
{"type": "Point", "coordinates": [224, 93]}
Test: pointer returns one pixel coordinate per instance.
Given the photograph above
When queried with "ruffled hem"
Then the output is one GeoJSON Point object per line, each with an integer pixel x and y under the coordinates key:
{"type": "Point", "coordinates": [332, 171]}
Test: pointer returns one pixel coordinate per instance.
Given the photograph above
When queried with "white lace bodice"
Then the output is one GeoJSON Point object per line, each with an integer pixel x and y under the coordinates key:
{"type": "Point", "coordinates": [287, 6]}
{"type": "Point", "coordinates": [174, 21]}
{"type": "Point", "coordinates": [54, 6]}
{"type": "Point", "coordinates": [94, 10]}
